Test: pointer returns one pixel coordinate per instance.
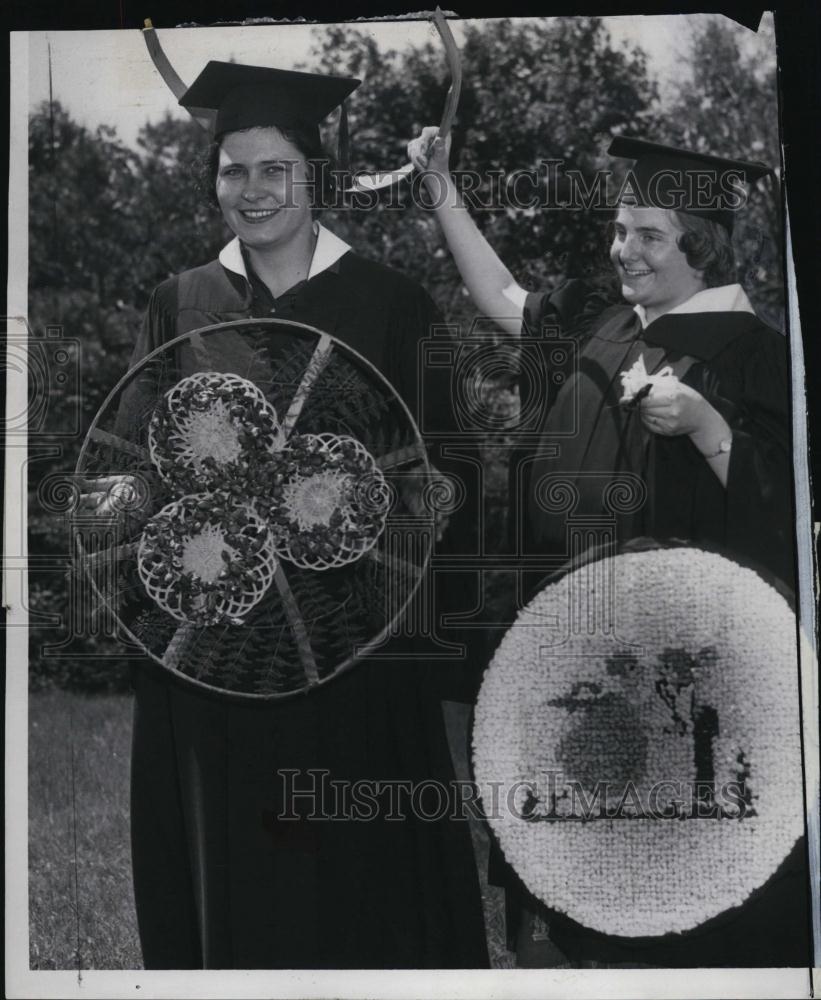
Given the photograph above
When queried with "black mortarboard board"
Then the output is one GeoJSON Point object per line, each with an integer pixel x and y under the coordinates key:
{"type": "Point", "coordinates": [711, 187]}
{"type": "Point", "coordinates": [253, 96]}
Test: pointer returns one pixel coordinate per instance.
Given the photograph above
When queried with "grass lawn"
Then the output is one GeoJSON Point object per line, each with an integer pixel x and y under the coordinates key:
{"type": "Point", "coordinates": [80, 897]}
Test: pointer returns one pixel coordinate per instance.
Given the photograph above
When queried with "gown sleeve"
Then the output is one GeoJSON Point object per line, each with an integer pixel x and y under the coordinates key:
{"type": "Point", "coordinates": [759, 511]}
{"type": "Point", "coordinates": [568, 313]}
{"type": "Point", "coordinates": [572, 308]}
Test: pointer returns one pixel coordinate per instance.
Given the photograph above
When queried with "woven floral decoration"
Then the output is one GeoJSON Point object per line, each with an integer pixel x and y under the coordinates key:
{"type": "Point", "coordinates": [246, 495]}
{"type": "Point", "coordinates": [328, 503]}
{"type": "Point", "coordinates": [204, 564]}
{"type": "Point", "coordinates": [213, 430]}
{"type": "Point", "coordinates": [636, 741]}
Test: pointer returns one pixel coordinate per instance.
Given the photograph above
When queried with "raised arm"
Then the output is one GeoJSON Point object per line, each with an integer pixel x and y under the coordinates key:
{"type": "Point", "coordinates": [491, 286]}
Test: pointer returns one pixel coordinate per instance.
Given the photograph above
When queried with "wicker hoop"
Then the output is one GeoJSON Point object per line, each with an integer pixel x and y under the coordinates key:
{"type": "Point", "coordinates": [206, 566]}
{"type": "Point", "coordinates": [310, 626]}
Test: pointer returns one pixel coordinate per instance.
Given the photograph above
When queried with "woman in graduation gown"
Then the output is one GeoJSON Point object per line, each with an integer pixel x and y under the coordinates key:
{"type": "Point", "coordinates": [221, 881]}
{"type": "Point", "coordinates": [708, 455]}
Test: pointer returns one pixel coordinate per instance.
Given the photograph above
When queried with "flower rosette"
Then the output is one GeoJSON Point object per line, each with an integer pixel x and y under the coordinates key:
{"type": "Point", "coordinates": [213, 430]}
{"type": "Point", "coordinates": [636, 380]}
{"type": "Point", "coordinates": [205, 560]}
{"type": "Point", "coordinates": [328, 502]}
{"type": "Point", "coordinates": [644, 776]}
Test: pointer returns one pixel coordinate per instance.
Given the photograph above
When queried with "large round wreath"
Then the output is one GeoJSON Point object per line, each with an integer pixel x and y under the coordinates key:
{"type": "Point", "coordinates": [290, 424]}
{"type": "Point", "coordinates": [636, 741]}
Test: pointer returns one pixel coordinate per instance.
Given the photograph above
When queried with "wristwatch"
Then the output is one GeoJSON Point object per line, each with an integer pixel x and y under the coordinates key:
{"type": "Point", "coordinates": [723, 447]}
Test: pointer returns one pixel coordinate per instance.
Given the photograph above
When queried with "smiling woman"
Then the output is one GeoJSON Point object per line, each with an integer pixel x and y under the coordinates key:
{"type": "Point", "coordinates": [266, 197]}
{"type": "Point", "coordinates": [266, 169]}
{"type": "Point", "coordinates": [673, 424]}
{"type": "Point", "coordinates": [709, 447]}
{"type": "Point", "coordinates": [653, 270]}
{"type": "Point", "coordinates": [220, 881]}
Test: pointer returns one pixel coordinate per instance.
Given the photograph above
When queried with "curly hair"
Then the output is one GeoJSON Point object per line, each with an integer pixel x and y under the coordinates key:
{"type": "Point", "coordinates": [708, 248]}
{"type": "Point", "coordinates": [321, 166]}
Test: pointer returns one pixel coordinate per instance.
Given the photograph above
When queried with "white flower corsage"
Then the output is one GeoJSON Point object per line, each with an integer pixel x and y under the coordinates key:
{"type": "Point", "coordinates": [637, 383]}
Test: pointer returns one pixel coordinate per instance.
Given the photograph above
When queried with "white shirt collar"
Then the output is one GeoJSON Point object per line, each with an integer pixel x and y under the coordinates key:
{"type": "Point", "coordinates": [327, 251]}
{"type": "Point", "coordinates": [725, 298]}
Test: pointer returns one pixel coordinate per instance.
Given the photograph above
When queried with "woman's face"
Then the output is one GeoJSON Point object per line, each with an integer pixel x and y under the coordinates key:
{"type": "Point", "coordinates": [262, 187]}
{"type": "Point", "coordinates": [654, 273]}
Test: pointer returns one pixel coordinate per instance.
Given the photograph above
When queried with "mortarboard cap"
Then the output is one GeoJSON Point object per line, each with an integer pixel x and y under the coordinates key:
{"type": "Point", "coordinates": [256, 96]}
{"type": "Point", "coordinates": [712, 187]}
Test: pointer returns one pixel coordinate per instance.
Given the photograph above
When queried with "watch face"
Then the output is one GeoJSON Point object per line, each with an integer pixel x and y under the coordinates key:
{"type": "Point", "coordinates": [725, 446]}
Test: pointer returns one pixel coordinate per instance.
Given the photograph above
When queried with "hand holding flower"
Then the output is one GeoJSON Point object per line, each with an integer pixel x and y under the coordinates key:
{"type": "Point", "coordinates": [672, 408]}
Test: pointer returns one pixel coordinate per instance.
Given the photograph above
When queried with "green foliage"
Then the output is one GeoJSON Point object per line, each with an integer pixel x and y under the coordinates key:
{"type": "Point", "coordinates": [81, 199]}
{"type": "Point", "coordinates": [179, 227]}
{"type": "Point", "coordinates": [98, 338]}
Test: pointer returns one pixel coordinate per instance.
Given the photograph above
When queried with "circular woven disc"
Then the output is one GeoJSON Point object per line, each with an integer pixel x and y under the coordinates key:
{"type": "Point", "coordinates": [313, 616]}
{"type": "Point", "coordinates": [669, 678]}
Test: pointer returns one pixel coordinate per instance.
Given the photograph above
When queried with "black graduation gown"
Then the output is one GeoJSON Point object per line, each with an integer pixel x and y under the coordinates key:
{"type": "Point", "coordinates": [220, 881]}
{"type": "Point", "coordinates": [742, 367]}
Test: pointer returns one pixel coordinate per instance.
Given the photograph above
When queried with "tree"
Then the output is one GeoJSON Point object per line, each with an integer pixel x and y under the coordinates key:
{"type": "Point", "coordinates": [727, 104]}
{"type": "Point", "coordinates": [532, 91]}
{"type": "Point", "coordinates": [81, 200]}
{"type": "Point", "coordinates": [179, 228]}
{"type": "Point", "coordinates": [106, 224]}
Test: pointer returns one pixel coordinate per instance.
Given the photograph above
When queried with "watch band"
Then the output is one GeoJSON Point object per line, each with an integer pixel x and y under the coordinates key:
{"type": "Point", "coordinates": [723, 448]}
